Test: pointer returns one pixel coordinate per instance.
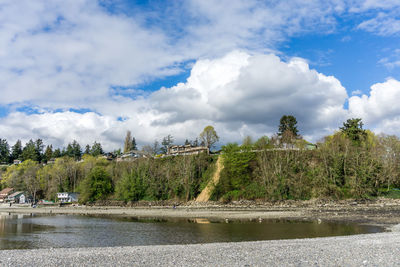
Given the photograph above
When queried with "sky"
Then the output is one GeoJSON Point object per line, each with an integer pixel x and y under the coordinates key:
{"type": "Point", "coordinates": [90, 70]}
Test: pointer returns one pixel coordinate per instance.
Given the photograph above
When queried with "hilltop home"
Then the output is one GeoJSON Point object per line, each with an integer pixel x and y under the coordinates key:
{"type": "Point", "coordinates": [186, 150]}
{"type": "Point", "coordinates": [131, 155]}
{"type": "Point", "coordinates": [5, 193]}
{"type": "Point", "coordinates": [109, 156]}
{"type": "Point", "coordinates": [51, 161]}
{"type": "Point", "coordinates": [67, 197]}
{"type": "Point", "coordinates": [17, 197]}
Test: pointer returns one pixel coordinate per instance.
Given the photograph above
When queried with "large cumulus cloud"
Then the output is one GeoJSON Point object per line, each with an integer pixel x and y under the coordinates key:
{"type": "Point", "coordinates": [256, 90]}
{"type": "Point", "coordinates": [240, 94]}
{"type": "Point", "coordinates": [380, 109]}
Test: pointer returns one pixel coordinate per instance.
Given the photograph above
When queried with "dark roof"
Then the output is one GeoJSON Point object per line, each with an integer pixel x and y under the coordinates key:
{"type": "Point", "coordinates": [6, 191]}
{"type": "Point", "coordinates": [15, 194]}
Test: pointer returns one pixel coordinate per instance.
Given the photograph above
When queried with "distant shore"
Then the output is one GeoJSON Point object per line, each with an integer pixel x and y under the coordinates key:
{"type": "Point", "coordinates": [383, 212]}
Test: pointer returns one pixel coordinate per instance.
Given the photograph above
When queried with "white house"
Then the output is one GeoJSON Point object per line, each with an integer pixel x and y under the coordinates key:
{"type": "Point", "coordinates": [17, 197]}
{"type": "Point", "coordinates": [67, 197]}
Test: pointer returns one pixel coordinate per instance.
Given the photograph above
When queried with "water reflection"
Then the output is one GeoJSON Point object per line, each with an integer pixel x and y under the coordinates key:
{"type": "Point", "coordinates": [33, 231]}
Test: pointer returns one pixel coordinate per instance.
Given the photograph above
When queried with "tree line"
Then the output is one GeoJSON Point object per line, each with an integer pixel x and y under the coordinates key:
{"type": "Point", "coordinates": [36, 150]}
{"type": "Point", "coordinates": [179, 178]}
{"type": "Point", "coordinates": [351, 163]}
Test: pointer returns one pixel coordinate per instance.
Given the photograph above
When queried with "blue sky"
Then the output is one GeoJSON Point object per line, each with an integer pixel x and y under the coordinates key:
{"type": "Point", "coordinates": [91, 70]}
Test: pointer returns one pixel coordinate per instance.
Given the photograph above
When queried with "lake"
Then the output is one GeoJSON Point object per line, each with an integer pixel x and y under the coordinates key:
{"type": "Point", "coordinates": [51, 231]}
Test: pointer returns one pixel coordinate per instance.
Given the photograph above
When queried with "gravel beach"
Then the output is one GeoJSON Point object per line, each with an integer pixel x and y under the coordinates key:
{"type": "Point", "coordinates": [381, 249]}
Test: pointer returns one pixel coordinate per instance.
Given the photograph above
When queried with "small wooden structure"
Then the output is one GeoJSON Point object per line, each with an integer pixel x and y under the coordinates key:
{"type": "Point", "coordinates": [5, 193]}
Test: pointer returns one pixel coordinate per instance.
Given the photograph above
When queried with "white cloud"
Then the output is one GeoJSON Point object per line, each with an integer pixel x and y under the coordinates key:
{"type": "Point", "coordinates": [380, 110]}
{"type": "Point", "coordinates": [392, 61]}
{"type": "Point", "coordinates": [68, 54]}
{"type": "Point", "coordinates": [59, 128]}
{"type": "Point", "coordinates": [255, 90]}
{"type": "Point", "coordinates": [240, 94]}
{"type": "Point", "coordinates": [366, 5]}
{"type": "Point", "coordinates": [384, 24]}
{"type": "Point", "coordinates": [377, 16]}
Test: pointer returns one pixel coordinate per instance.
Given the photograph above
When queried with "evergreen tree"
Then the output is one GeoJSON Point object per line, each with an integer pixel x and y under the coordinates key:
{"type": "Point", "coordinates": [77, 151]}
{"type": "Point", "coordinates": [353, 129]}
{"type": "Point", "coordinates": [195, 142]}
{"type": "Point", "coordinates": [166, 142]}
{"type": "Point", "coordinates": [16, 151]}
{"type": "Point", "coordinates": [48, 153]}
{"type": "Point", "coordinates": [69, 151]}
{"type": "Point", "coordinates": [87, 150]}
{"type": "Point", "coordinates": [288, 123]}
{"type": "Point", "coordinates": [39, 146]}
{"type": "Point", "coordinates": [96, 149]}
{"type": "Point", "coordinates": [4, 151]}
{"type": "Point", "coordinates": [57, 153]}
{"type": "Point", "coordinates": [133, 145]}
{"type": "Point", "coordinates": [29, 151]}
{"type": "Point", "coordinates": [74, 150]}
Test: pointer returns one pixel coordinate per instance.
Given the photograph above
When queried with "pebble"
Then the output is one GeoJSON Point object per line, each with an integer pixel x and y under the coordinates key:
{"type": "Point", "coordinates": [381, 249]}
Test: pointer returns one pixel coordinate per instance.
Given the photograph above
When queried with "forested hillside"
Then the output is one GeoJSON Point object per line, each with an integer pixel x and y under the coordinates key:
{"type": "Point", "coordinates": [351, 163]}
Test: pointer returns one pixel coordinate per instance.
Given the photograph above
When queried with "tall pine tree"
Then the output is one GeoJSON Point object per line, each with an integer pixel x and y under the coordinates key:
{"type": "Point", "coordinates": [16, 151]}
{"type": "Point", "coordinates": [4, 151]}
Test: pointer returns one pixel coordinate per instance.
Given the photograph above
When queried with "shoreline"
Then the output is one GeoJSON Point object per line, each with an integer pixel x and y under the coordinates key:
{"type": "Point", "coordinates": [381, 212]}
{"type": "Point", "coordinates": [377, 249]}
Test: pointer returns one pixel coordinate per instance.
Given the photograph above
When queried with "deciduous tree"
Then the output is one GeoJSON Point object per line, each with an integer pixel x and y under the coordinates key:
{"type": "Point", "coordinates": [209, 136]}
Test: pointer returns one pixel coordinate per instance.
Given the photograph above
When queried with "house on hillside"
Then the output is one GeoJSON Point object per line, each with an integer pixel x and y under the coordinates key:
{"type": "Point", "coordinates": [5, 193]}
{"type": "Point", "coordinates": [132, 155]}
{"type": "Point", "coordinates": [109, 156]}
{"type": "Point", "coordinates": [51, 161]}
{"type": "Point", "coordinates": [67, 197]}
{"type": "Point", "coordinates": [17, 197]}
{"type": "Point", "coordinates": [187, 150]}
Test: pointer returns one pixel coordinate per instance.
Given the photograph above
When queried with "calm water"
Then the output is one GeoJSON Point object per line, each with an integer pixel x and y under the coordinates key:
{"type": "Point", "coordinates": [38, 231]}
